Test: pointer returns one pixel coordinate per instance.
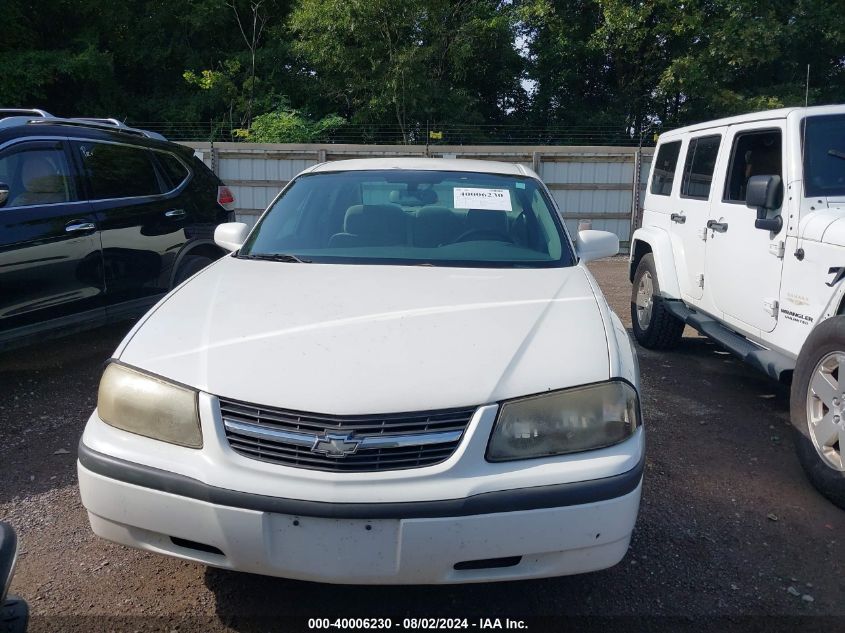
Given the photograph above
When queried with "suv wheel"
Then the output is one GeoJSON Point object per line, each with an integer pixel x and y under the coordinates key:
{"type": "Point", "coordinates": [817, 408]}
{"type": "Point", "coordinates": [654, 326]}
{"type": "Point", "coordinates": [191, 265]}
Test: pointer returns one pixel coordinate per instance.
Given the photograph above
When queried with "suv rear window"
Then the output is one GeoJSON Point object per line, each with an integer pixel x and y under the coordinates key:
{"type": "Point", "coordinates": [118, 171]}
{"type": "Point", "coordinates": [699, 166]}
{"type": "Point", "coordinates": [173, 168]}
{"type": "Point", "coordinates": [664, 168]}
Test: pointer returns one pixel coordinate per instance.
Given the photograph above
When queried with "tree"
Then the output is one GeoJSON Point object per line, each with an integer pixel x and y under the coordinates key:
{"type": "Point", "coordinates": [252, 37]}
{"type": "Point", "coordinates": [411, 61]}
{"type": "Point", "coordinates": [635, 64]}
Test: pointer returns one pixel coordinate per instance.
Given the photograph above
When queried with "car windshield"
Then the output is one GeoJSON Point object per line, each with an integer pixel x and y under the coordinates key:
{"type": "Point", "coordinates": [824, 159]}
{"type": "Point", "coordinates": [437, 218]}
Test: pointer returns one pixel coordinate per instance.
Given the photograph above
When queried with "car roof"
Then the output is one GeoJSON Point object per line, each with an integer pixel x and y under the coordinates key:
{"type": "Point", "coordinates": [763, 115]}
{"type": "Point", "coordinates": [425, 164]}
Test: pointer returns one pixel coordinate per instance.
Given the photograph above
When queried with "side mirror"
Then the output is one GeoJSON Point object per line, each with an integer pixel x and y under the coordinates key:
{"type": "Point", "coordinates": [231, 235]}
{"type": "Point", "coordinates": [591, 245]}
{"type": "Point", "coordinates": [765, 193]}
{"type": "Point", "coordinates": [4, 193]}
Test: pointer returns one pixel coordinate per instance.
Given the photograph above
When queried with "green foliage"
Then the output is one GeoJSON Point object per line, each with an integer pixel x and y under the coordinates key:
{"type": "Point", "coordinates": [289, 126]}
{"type": "Point", "coordinates": [411, 61]}
{"type": "Point", "coordinates": [628, 65]}
{"type": "Point", "coordinates": [669, 63]}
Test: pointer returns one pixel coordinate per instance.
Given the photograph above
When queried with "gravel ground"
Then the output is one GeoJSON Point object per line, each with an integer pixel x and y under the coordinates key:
{"type": "Point", "coordinates": [729, 530]}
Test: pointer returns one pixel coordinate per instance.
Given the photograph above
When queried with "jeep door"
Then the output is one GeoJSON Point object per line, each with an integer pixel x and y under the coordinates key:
{"type": "Point", "coordinates": [50, 259]}
{"type": "Point", "coordinates": [141, 219]}
{"type": "Point", "coordinates": [700, 153]}
{"type": "Point", "coordinates": [744, 263]}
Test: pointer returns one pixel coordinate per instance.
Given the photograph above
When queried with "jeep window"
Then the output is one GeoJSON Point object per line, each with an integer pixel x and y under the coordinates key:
{"type": "Point", "coordinates": [824, 165]}
{"type": "Point", "coordinates": [699, 165]}
{"type": "Point", "coordinates": [36, 174]}
{"type": "Point", "coordinates": [118, 171]}
{"type": "Point", "coordinates": [406, 217]}
{"type": "Point", "coordinates": [664, 168]}
{"type": "Point", "coordinates": [756, 153]}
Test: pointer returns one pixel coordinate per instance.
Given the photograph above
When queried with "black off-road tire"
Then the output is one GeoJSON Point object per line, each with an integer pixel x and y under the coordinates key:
{"type": "Point", "coordinates": [664, 329]}
{"type": "Point", "coordinates": [189, 266]}
{"type": "Point", "coordinates": [827, 337]}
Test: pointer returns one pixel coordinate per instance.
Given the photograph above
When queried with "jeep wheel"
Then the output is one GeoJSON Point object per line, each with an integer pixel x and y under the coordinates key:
{"type": "Point", "coordinates": [654, 326]}
{"type": "Point", "coordinates": [817, 408]}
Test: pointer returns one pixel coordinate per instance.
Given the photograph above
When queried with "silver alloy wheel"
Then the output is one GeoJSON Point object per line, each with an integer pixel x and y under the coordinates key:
{"type": "Point", "coordinates": [826, 409]}
{"type": "Point", "coordinates": [645, 300]}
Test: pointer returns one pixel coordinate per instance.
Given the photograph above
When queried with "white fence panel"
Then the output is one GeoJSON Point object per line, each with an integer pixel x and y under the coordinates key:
{"type": "Point", "coordinates": [588, 183]}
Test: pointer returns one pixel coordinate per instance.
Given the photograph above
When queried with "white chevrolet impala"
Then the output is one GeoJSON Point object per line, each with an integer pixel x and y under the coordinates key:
{"type": "Point", "coordinates": [404, 373]}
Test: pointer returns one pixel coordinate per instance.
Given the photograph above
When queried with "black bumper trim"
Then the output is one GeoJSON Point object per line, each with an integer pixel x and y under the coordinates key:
{"type": "Point", "coordinates": [538, 497]}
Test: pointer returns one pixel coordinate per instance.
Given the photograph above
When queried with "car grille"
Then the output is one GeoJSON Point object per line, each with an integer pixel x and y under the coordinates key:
{"type": "Point", "coordinates": [355, 443]}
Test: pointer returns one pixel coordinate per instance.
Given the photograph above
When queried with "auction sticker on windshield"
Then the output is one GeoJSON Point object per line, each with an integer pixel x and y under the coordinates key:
{"type": "Point", "coordinates": [488, 199]}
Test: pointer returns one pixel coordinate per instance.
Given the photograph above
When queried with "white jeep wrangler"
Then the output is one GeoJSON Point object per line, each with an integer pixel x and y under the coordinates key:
{"type": "Point", "coordinates": [743, 238]}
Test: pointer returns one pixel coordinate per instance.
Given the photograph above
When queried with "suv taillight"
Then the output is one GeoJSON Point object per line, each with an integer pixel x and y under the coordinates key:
{"type": "Point", "coordinates": [225, 198]}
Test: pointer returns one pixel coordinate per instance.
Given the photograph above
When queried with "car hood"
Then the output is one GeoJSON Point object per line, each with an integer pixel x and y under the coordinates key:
{"type": "Point", "coordinates": [351, 339]}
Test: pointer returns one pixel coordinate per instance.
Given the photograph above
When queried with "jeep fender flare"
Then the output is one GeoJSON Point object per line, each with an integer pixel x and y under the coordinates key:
{"type": "Point", "coordinates": [659, 244]}
{"type": "Point", "coordinates": [836, 304]}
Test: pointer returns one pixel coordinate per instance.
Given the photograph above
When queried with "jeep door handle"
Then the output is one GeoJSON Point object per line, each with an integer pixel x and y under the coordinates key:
{"type": "Point", "coordinates": [719, 227]}
{"type": "Point", "coordinates": [175, 213]}
{"type": "Point", "coordinates": [79, 226]}
{"type": "Point", "coordinates": [678, 218]}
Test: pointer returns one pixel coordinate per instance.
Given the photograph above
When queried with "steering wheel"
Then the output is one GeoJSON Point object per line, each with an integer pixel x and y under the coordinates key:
{"type": "Point", "coordinates": [483, 234]}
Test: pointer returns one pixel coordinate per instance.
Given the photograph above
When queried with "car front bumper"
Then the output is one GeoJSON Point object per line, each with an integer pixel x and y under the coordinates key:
{"type": "Point", "coordinates": [443, 524]}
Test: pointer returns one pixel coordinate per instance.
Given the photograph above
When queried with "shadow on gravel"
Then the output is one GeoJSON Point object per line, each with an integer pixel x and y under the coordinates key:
{"type": "Point", "coordinates": [247, 602]}
{"type": "Point", "coordinates": [48, 391]}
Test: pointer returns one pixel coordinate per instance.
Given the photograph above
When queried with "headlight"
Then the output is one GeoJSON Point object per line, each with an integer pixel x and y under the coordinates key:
{"type": "Point", "coordinates": [569, 421]}
{"type": "Point", "coordinates": [150, 406]}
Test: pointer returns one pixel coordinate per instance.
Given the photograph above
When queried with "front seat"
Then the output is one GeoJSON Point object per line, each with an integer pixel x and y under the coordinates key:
{"type": "Point", "coordinates": [484, 220]}
{"type": "Point", "coordinates": [373, 225]}
{"type": "Point", "coordinates": [41, 183]}
{"type": "Point", "coordinates": [435, 226]}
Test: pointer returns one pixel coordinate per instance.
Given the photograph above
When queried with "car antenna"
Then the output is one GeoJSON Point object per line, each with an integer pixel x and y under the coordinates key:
{"type": "Point", "coordinates": [807, 87]}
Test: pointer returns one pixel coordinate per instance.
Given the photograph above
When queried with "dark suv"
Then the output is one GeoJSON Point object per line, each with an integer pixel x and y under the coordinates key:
{"type": "Point", "coordinates": [97, 222]}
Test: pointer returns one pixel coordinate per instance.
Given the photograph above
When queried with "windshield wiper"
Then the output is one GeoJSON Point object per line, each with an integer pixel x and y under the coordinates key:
{"type": "Point", "coordinates": [836, 153]}
{"type": "Point", "coordinates": [277, 257]}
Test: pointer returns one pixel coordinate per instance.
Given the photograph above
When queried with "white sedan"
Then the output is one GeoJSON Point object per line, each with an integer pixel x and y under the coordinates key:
{"type": "Point", "coordinates": [404, 373]}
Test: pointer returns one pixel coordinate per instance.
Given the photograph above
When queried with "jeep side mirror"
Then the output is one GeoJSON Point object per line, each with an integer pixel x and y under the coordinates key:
{"type": "Point", "coordinates": [765, 193]}
{"type": "Point", "coordinates": [231, 235]}
{"type": "Point", "coordinates": [4, 193]}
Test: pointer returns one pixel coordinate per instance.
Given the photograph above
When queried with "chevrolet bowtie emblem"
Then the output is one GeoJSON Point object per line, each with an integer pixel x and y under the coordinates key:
{"type": "Point", "coordinates": [335, 445]}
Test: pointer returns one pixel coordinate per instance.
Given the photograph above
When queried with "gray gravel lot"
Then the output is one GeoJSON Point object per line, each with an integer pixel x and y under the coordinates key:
{"type": "Point", "coordinates": [728, 524]}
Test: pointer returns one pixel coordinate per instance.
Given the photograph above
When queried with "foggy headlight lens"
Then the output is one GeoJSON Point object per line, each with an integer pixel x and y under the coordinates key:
{"type": "Point", "coordinates": [150, 406]}
{"type": "Point", "coordinates": [569, 421]}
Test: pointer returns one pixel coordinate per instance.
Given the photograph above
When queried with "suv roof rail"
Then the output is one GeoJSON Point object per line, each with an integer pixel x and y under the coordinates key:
{"type": "Point", "coordinates": [16, 112]}
{"type": "Point", "coordinates": [103, 124]}
{"type": "Point", "coordinates": [109, 121]}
